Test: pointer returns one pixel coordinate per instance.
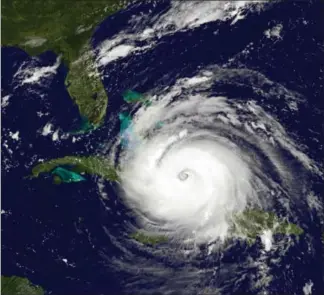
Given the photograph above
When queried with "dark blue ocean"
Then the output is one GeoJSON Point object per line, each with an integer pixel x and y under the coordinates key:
{"type": "Point", "coordinates": [54, 234]}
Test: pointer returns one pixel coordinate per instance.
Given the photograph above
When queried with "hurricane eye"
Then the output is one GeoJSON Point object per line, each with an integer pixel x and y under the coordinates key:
{"type": "Point", "coordinates": [183, 175]}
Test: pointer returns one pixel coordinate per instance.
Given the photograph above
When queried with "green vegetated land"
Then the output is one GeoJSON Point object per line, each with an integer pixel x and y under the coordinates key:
{"type": "Point", "coordinates": [148, 239]}
{"type": "Point", "coordinates": [93, 165]}
{"type": "Point", "coordinates": [252, 223]}
{"type": "Point", "coordinates": [19, 286]}
{"type": "Point", "coordinates": [64, 27]}
{"type": "Point", "coordinates": [86, 89]}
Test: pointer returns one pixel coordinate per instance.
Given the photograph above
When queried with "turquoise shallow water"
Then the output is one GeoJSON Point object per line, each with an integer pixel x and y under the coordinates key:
{"type": "Point", "coordinates": [67, 176]}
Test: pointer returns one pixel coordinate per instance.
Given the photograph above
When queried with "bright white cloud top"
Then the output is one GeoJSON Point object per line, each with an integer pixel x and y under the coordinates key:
{"type": "Point", "coordinates": [211, 159]}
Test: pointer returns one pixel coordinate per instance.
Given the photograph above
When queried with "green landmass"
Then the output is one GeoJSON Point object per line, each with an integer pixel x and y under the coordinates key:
{"type": "Point", "coordinates": [252, 223]}
{"type": "Point", "coordinates": [93, 165]}
{"type": "Point", "coordinates": [84, 85]}
{"type": "Point", "coordinates": [57, 179]}
{"type": "Point", "coordinates": [148, 239]}
{"type": "Point", "coordinates": [19, 286]}
{"type": "Point", "coordinates": [64, 27]}
{"type": "Point", "coordinates": [66, 176]}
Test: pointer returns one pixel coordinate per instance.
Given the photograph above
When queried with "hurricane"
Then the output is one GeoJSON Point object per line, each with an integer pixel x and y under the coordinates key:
{"type": "Point", "coordinates": [197, 164]}
{"type": "Point", "coordinates": [204, 164]}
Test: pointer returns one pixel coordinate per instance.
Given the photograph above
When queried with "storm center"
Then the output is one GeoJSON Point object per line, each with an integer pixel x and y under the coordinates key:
{"type": "Point", "coordinates": [183, 175]}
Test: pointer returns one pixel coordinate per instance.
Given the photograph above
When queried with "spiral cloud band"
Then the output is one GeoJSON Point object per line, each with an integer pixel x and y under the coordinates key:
{"type": "Point", "coordinates": [198, 159]}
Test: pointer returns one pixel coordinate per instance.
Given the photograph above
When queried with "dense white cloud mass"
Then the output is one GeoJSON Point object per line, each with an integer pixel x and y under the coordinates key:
{"type": "Point", "coordinates": [197, 160]}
